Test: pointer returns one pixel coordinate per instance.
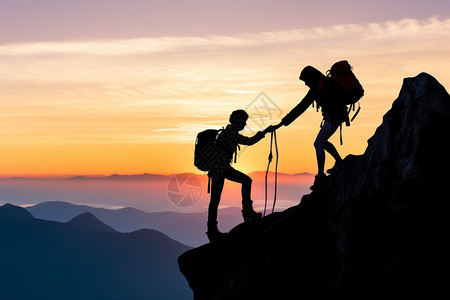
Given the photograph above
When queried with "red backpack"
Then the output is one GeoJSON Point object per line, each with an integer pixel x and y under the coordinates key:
{"type": "Point", "coordinates": [342, 73]}
{"type": "Point", "coordinates": [344, 76]}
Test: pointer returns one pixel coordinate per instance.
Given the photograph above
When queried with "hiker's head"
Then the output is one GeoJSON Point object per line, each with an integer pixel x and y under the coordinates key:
{"type": "Point", "coordinates": [239, 118]}
{"type": "Point", "coordinates": [311, 76]}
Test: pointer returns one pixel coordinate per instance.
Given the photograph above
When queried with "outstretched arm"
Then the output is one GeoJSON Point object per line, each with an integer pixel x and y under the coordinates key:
{"type": "Point", "coordinates": [245, 140]}
{"type": "Point", "coordinates": [299, 109]}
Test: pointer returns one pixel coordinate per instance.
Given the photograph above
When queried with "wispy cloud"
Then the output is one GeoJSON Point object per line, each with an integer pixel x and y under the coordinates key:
{"type": "Point", "coordinates": [166, 89]}
{"type": "Point", "coordinates": [407, 28]}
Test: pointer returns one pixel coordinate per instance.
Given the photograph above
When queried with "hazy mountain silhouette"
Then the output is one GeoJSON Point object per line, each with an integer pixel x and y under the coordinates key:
{"type": "Point", "coordinates": [87, 221]}
{"type": "Point", "coordinates": [146, 195]}
{"type": "Point", "coordinates": [377, 228]}
{"type": "Point", "coordinates": [85, 259]}
{"type": "Point", "coordinates": [183, 227]}
{"type": "Point", "coordinates": [15, 213]}
{"type": "Point", "coordinates": [145, 176]}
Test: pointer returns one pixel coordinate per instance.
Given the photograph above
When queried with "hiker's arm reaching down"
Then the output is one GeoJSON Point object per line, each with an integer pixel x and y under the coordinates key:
{"type": "Point", "coordinates": [299, 109]}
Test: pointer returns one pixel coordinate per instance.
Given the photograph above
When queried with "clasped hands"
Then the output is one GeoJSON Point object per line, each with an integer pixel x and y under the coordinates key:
{"type": "Point", "coordinates": [272, 128]}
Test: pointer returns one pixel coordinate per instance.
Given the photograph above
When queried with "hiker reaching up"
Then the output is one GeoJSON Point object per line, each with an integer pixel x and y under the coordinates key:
{"type": "Point", "coordinates": [333, 98]}
{"type": "Point", "coordinates": [228, 140]}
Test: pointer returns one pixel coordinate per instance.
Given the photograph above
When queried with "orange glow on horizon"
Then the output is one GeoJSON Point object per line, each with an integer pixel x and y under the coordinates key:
{"type": "Point", "coordinates": [134, 106]}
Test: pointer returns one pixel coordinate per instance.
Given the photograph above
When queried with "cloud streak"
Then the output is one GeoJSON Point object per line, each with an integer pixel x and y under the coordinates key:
{"type": "Point", "coordinates": [165, 90]}
{"type": "Point", "coordinates": [403, 29]}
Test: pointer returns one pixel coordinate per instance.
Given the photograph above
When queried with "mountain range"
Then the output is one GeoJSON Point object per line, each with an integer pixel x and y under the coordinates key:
{"type": "Point", "coordinates": [187, 228]}
{"type": "Point", "coordinates": [146, 176]}
{"type": "Point", "coordinates": [85, 259]}
{"type": "Point", "coordinates": [259, 175]}
{"type": "Point", "coordinates": [183, 193]}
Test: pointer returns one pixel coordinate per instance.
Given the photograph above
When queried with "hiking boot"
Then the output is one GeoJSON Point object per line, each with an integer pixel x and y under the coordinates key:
{"type": "Point", "coordinates": [318, 181]}
{"type": "Point", "coordinates": [213, 232]}
{"type": "Point", "coordinates": [214, 236]}
{"type": "Point", "coordinates": [250, 215]}
{"type": "Point", "coordinates": [333, 169]}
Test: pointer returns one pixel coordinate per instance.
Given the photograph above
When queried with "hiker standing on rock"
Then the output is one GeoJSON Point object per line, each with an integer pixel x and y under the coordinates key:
{"type": "Point", "coordinates": [332, 94]}
{"type": "Point", "coordinates": [227, 142]}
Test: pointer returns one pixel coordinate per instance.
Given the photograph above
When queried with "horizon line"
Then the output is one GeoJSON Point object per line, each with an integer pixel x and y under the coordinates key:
{"type": "Point", "coordinates": [116, 175]}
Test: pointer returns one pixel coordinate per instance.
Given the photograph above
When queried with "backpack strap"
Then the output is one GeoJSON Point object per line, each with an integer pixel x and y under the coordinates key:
{"type": "Point", "coordinates": [352, 107]}
{"type": "Point", "coordinates": [321, 123]}
{"type": "Point", "coordinates": [209, 185]}
{"type": "Point", "coordinates": [357, 111]}
{"type": "Point", "coordinates": [347, 118]}
{"type": "Point", "coordinates": [238, 148]}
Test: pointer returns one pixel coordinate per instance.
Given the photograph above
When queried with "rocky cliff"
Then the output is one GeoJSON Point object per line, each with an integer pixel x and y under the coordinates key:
{"type": "Point", "coordinates": [378, 228]}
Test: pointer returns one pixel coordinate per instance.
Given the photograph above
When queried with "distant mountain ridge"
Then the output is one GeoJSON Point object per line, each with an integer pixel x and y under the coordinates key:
{"type": "Point", "coordinates": [146, 176]}
{"type": "Point", "coordinates": [187, 228]}
{"type": "Point", "coordinates": [85, 259]}
{"type": "Point", "coordinates": [12, 212]}
{"type": "Point", "coordinates": [87, 221]}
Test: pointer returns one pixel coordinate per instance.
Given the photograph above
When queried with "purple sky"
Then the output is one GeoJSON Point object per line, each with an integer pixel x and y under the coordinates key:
{"type": "Point", "coordinates": [52, 20]}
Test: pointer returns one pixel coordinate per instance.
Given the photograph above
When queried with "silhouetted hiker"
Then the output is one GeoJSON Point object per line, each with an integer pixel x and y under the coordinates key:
{"type": "Point", "coordinates": [333, 98]}
{"type": "Point", "coordinates": [228, 140]}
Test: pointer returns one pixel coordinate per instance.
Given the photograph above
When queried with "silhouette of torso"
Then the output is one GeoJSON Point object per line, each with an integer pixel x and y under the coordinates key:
{"type": "Point", "coordinates": [230, 138]}
{"type": "Point", "coordinates": [329, 96]}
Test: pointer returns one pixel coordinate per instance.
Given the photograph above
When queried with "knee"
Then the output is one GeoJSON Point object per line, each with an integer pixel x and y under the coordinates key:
{"type": "Point", "coordinates": [247, 180]}
{"type": "Point", "coordinates": [319, 144]}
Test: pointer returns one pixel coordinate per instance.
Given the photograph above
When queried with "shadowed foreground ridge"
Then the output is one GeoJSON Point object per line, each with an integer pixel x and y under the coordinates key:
{"type": "Point", "coordinates": [378, 228]}
{"type": "Point", "coordinates": [85, 259]}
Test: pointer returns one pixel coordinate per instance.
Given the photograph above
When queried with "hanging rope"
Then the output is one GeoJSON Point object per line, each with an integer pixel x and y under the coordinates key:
{"type": "Point", "coordinates": [273, 137]}
{"type": "Point", "coordinates": [276, 171]}
{"type": "Point", "coordinates": [267, 172]}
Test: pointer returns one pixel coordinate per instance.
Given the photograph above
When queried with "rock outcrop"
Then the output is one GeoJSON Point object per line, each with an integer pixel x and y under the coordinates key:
{"type": "Point", "coordinates": [378, 228]}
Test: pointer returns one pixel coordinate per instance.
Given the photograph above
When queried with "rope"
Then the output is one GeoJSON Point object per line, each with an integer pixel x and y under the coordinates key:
{"type": "Point", "coordinates": [267, 172]}
{"type": "Point", "coordinates": [273, 137]}
{"type": "Point", "coordinates": [276, 171]}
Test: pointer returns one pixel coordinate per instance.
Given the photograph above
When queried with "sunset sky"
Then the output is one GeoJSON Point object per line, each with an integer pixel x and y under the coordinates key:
{"type": "Point", "coordinates": [123, 86]}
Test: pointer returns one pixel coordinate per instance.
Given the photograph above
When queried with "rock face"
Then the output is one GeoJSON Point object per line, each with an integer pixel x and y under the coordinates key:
{"type": "Point", "coordinates": [378, 228]}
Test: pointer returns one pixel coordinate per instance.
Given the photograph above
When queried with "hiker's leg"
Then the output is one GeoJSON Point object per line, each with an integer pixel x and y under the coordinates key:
{"type": "Point", "coordinates": [327, 130]}
{"type": "Point", "coordinates": [216, 192]}
{"type": "Point", "coordinates": [247, 204]}
{"type": "Point", "coordinates": [329, 147]}
{"type": "Point", "coordinates": [213, 232]}
{"type": "Point", "coordinates": [245, 180]}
